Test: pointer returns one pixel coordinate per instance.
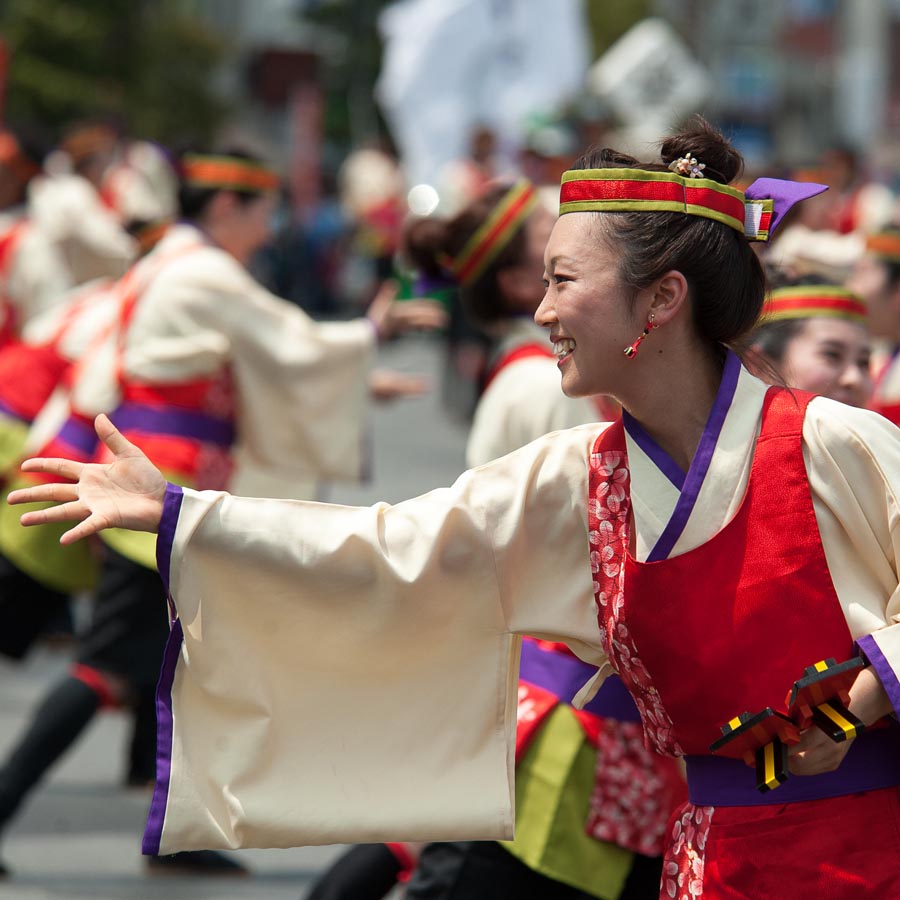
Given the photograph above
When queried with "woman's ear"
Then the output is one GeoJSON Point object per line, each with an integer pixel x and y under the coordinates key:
{"type": "Point", "coordinates": [668, 295]}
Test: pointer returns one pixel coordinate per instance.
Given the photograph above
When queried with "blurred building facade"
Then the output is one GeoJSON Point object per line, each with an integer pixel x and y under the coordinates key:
{"type": "Point", "coordinates": [795, 77]}
{"type": "Point", "coordinates": [791, 78]}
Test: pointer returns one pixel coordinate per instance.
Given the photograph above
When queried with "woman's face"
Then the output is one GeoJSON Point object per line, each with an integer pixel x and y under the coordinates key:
{"type": "Point", "coordinates": [830, 357]}
{"type": "Point", "coordinates": [521, 284]}
{"type": "Point", "coordinates": [586, 308]}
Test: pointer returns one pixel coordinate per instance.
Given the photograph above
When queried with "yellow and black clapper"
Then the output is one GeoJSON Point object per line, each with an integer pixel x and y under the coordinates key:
{"type": "Point", "coordinates": [761, 740]}
{"type": "Point", "coordinates": [821, 696]}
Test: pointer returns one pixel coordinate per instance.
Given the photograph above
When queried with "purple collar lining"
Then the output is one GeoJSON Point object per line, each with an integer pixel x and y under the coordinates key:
{"type": "Point", "coordinates": [658, 456]}
{"type": "Point", "coordinates": [700, 463]}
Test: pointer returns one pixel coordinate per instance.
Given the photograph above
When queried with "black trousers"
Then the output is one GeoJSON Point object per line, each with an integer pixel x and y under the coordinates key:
{"type": "Point", "coordinates": [27, 607]}
{"type": "Point", "coordinates": [483, 870]}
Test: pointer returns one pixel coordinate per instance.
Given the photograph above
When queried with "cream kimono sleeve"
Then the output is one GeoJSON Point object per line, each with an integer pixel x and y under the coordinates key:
{"type": "Point", "coordinates": [303, 385]}
{"type": "Point", "coordinates": [343, 674]}
{"type": "Point", "coordinates": [853, 460]}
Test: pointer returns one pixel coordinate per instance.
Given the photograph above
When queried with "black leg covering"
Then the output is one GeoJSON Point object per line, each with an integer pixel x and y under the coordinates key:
{"type": "Point", "coordinates": [55, 725]}
{"type": "Point", "coordinates": [364, 872]}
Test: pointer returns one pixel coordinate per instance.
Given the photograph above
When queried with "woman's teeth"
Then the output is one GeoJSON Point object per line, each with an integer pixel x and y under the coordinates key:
{"type": "Point", "coordinates": [563, 348]}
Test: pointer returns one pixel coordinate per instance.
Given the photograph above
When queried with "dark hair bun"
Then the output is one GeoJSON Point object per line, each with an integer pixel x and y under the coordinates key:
{"type": "Point", "coordinates": [425, 241]}
{"type": "Point", "coordinates": [709, 146]}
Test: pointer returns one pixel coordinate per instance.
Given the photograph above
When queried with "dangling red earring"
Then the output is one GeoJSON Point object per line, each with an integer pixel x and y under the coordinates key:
{"type": "Point", "coordinates": [631, 351]}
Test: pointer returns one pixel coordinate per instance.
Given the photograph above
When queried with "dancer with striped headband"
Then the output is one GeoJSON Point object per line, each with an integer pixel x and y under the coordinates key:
{"type": "Point", "coordinates": [877, 280]}
{"type": "Point", "coordinates": [815, 336]}
{"type": "Point", "coordinates": [711, 546]}
{"type": "Point", "coordinates": [198, 361]}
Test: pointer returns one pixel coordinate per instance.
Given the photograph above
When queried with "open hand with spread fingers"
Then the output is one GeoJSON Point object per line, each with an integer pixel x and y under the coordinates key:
{"type": "Point", "coordinates": [126, 493]}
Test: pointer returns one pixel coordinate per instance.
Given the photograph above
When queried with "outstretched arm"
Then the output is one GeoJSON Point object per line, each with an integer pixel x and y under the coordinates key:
{"type": "Point", "coordinates": [126, 493]}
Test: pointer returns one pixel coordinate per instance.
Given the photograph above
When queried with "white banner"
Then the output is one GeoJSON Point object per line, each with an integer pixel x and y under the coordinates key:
{"type": "Point", "coordinates": [451, 65]}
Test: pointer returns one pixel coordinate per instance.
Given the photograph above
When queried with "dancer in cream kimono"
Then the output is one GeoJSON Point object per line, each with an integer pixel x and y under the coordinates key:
{"type": "Point", "coordinates": [199, 362]}
{"type": "Point", "coordinates": [661, 547]}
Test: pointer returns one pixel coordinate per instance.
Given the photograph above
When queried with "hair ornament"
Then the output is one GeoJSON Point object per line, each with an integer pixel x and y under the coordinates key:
{"type": "Point", "coordinates": [687, 166]}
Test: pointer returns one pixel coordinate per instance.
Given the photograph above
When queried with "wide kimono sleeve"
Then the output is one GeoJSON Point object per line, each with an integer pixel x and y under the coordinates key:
{"type": "Point", "coordinates": [341, 674]}
{"type": "Point", "coordinates": [853, 460]}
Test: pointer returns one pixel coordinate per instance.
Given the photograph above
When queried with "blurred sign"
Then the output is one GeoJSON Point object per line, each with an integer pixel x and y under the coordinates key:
{"type": "Point", "coordinates": [649, 77]}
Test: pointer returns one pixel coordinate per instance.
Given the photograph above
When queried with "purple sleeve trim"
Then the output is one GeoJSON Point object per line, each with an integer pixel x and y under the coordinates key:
{"type": "Point", "coordinates": [883, 669]}
{"type": "Point", "coordinates": [166, 535]}
{"type": "Point", "coordinates": [164, 729]}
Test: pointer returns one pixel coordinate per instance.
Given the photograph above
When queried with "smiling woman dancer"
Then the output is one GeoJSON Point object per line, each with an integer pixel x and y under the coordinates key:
{"type": "Point", "coordinates": [685, 525]}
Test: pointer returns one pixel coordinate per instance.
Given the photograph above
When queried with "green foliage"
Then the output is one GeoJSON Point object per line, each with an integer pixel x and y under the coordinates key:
{"type": "Point", "coordinates": [610, 19]}
{"type": "Point", "coordinates": [139, 62]}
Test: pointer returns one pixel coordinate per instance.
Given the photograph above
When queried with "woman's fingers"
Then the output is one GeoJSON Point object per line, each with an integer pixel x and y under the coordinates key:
{"type": "Point", "coordinates": [65, 468]}
{"type": "Point", "coordinates": [112, 437]}
{"type": "Point", "coordinates": [91, 525]}
{"type": "Point", "coordinates": [428, 314]}
{"type": "Point", "coordinates": [66, 512]}
{"type": "Point", "coordinates": [57, 492]}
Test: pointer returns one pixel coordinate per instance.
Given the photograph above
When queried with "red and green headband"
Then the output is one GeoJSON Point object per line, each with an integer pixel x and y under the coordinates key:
{"type": "Point", "coordinates": [755, 212]}
{"type": "Point", "coordinates": [228, 173]}
{"type": "Point", "coordinates": [813, 301]}
{"type": "Point", "coordinates": [885, 245]}
{"type": "Point", "coordinates": [497, 230]}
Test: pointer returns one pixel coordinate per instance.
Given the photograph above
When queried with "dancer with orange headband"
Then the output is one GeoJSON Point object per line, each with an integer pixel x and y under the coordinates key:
{"type": "Point", "coordinates": [815, 335]}
{"type": "Point", "coordinates": [877, 280]}
{"type": "Point", "coordinates": [713, 545]}
{"type": "Point", "coordinates": [198, 362]}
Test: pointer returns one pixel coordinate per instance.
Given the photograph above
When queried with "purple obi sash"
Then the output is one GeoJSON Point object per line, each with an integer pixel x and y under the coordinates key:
{"type": "Point", "coordinates": [871, 763]}
{"type": "Point", "coordinates": [565, 675]}
{"type": "Point", "coordinates": [78, 435]}
{"type": "Point", "coordinates": [167, 420]}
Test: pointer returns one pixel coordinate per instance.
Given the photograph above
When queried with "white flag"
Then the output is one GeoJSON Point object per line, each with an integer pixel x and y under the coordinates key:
{"type": "Point", "coordinates": [450, 65]}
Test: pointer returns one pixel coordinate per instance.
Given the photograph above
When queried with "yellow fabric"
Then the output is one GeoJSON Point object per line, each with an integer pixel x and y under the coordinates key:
{"type": "Point", "coordinates": [553, 789]}
{"type": "Point", "coordinates": [38, 553]}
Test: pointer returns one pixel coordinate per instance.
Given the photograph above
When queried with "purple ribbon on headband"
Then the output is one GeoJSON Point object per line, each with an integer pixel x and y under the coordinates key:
{"type": "Point", "coordinates": [783, 194]}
